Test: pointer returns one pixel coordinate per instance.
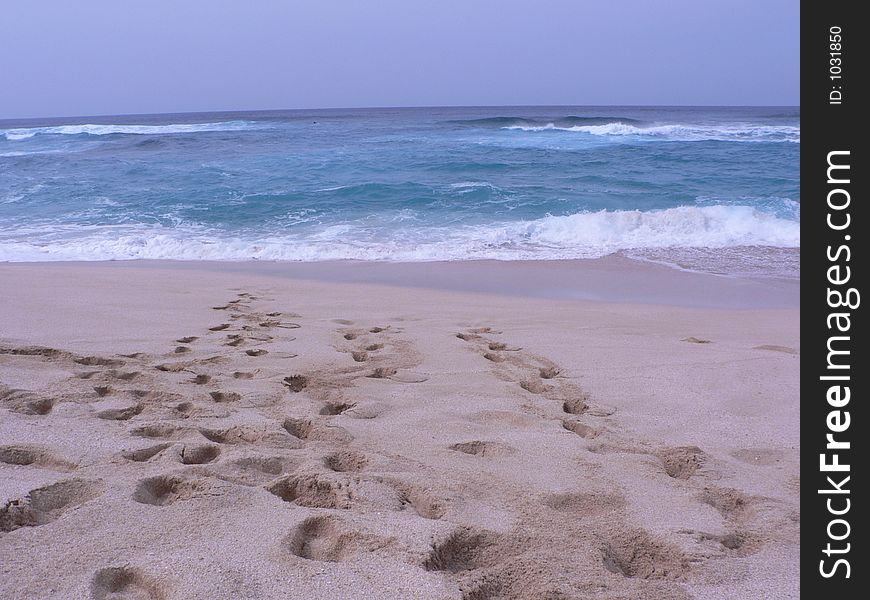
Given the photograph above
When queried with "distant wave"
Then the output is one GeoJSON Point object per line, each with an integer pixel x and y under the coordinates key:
{"type": "Point", "coordinates": [683, 133]}
{"type": "Point", "coordinates": [619, 127]}
{"type": "Point", "coordinates": [580, 235]}
{"type": "Point", "coordinates": [554, 122]}
{"type": "Point", "coordinates": [93, 129]}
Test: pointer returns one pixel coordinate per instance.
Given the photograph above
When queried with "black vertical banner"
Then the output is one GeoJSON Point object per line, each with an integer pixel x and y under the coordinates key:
{"type": "Point", "coordinates": [834, 221]}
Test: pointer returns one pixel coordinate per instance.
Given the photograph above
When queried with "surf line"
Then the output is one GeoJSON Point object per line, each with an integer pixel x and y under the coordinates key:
{"type": "Point", "coordinates": [841, 300]}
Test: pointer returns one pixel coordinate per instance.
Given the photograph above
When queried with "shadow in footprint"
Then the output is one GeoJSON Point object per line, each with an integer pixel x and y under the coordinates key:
{"type": "Point", "coordinates": [313, 491]}
{"type": "Point", "coordinates": [125, 583]}
{"type": "Point", "coordinates": [296, 383]}
{"type": "Point", "coordinates": [345, 461]}
{"type": "Point", "coordinates": [198, 454]}
{"type": "Point", "coordinates": [164, 490]}
{"type": "Point", "coordinates": [320, 538]}
{"type": "Point", "coordinates": [581, 429]}
{"type": "Point", "coordinates": [144, 454]}
{"type": "Point", "coordinates": [464, 549]}
{"type": "Point", "coordinates": [46, 504]}
{"type": "Point", "coordinates": [27, 455]}
{"type": "Point", "coordinates": [325, 538]}
{"type": "Point", "coordinates": [638, 554]}
{"type": "Point", "coordinates": [480, 448]}
{"type": "Point", "coordinates": [121, 414]}
{"type": "Point", "coordinates": [27, 403]}
{"type": "Point", "coordinates": [683, 461]}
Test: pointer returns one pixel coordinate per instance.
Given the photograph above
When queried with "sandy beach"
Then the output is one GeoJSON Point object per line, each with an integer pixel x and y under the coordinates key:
{"type": "Point", "coordinates": [566, 430]}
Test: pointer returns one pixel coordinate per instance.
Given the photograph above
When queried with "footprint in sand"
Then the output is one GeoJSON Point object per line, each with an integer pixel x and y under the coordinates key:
{"type": "Point", "coordinates": [549, 372]}
{"type": "Point", "coordinates": [154, 396]}
{"type": "Point", "coordinates": [534, 386]}
{"type": "Point", "coordinates": [502, 347]}
{"type": "Point", "coordinates": [246, 434]}
{"type": "Point", "coordinates": [173, 367]}
{"type": "Point", "coordinates": [325, 538]}
{"type": "Point", "coordinates": [296, 383]}
{"type": "Point", "coordinates": [124, 413]}
{"type": "Point", "coordinates": [464, 549]}
{"type": "Point", "coordinates": [198, 454]}
{"type": "Point", "coordinates": [345, 461]}
{"type": "Point", "coordinates": [280, 324]}
{"type": "Point", "coordinates": [774, 348]}
{"type": "Point", "coordinates": [585, 504]}
{"type": "Point", "coordinates": [41, 351]}
{"type": "Point", "coordinates": [494, 357]}
{"type": "Point", "coordinates": [735, 543]}
{"type": "Point", "coordinates": [254, 470]}
{"type": "Point", "coordinates": [102, 390]}
{"type": "Point", "coordinates": [225, 396]}
{"type": "Point", "coordinates": [25, 402]}
{"type": "Point", "coordinates": [159, 430]}
{"type": "Point", "coordinates": [122, 375]}
{"type": "Point", "coordinates": [638, 554]}
{"type": "Point", "coordinates": [394, 374]}
{"type": "Point", "coordinates": [581, 429]}
{"type": "Point", "coordinates": [144, 454]}
{"type": "Point", "coordinates": [482, 448]}
{"type": "Point", "coordinates": [164, 490]}
{"type": "Point", "coordinates": [423, 502]}
{"type": "Point", "coordinates": [489, 330]}
{"type": "Point", "coordinates": [99, 361]}
{"type": "Point", "coordinates": [335, 408]}
{"type": "Point", "coordinates": [367, 410]}
{"type": "Point", "coordinates": [46, 504]}
{"type": "Point", "coordinates": [32, 455]}
{"type": "Point", "coordinates": [306, 429]}
{"type": "Point", "coordinates": [732, 504]}
{"type": "Point", "coordinates": [235, 340]}
{"type": "Point", "coordinates": [575, 406]}
{"type": "Point", "coordinates": [683, 461]}
{"type": "Point", "coordinates": [125, 582]}
{"type": "Point", "coordinates": [312, 491]}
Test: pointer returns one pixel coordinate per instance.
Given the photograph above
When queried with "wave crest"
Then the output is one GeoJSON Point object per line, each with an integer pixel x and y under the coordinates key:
{"type": "Point", "coordinates": [683, 133]}
{"type": "Point", "coordinates": [551, 122]}
{"type": "Point", "coordinates": [580, 235]}
{"type": "Point", "coordinates": [96, 129]}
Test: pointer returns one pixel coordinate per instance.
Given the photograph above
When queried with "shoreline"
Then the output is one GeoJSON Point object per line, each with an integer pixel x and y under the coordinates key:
{"type": "Point", "coordinates": [608, 279]}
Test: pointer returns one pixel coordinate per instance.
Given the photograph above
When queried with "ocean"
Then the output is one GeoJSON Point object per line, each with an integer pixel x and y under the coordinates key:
{"type": "Point", "coordinates": [709, 189]}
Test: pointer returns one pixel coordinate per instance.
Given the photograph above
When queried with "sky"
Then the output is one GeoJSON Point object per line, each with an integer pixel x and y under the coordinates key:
{"type": "Point", "coordinates": [102, 57]}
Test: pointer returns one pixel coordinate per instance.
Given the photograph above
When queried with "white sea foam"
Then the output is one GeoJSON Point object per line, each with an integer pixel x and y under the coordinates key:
{"type": "Point", "coordinates": [732, 132]}
{"type": "Point", "coordinates": [94, 129]}
{"type": "Point", "coordinates": [581, 235]}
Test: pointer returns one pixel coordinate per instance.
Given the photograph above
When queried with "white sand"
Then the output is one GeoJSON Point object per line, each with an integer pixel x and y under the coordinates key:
{"type": "Point", "coordinates": [560, 449]}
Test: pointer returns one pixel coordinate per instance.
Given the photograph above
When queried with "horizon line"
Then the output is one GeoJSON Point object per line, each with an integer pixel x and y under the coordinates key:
{"type": "Point", "coordinates": [418, 107]}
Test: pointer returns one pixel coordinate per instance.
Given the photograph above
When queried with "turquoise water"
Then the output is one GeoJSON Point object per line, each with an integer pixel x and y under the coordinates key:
{"type": "Point", "coordinates": [715, 189]}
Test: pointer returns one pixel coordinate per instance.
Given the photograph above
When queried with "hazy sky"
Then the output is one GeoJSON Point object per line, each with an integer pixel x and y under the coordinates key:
{"type": "Point", "coordinates": [131, 56]}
